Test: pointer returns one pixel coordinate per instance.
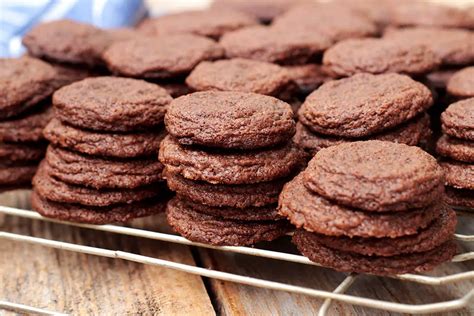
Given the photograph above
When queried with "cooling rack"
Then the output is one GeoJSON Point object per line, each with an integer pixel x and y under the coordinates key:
{"type": "Point", "coordinates": [338, 294]}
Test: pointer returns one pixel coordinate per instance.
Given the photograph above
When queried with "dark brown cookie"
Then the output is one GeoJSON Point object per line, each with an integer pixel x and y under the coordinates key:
{"type": "Point", "coordinates": [461, 84]}
{"type": "Point", "coordinates": [307, 77]}
{"type": "Point", "coordinates": [309, 245]}
{"type": "Point", "coordinates": [12, 176]}
{"type": "Point", "coordinates": [216, 230]}
{"type": "Point", "coordinates": [120, 213]}
{"type": "Point", "coordinates": [455, 148]}
{"type": "Point", "coordinates": [26, 128]}
{"type": "Point", "coordinates": [24, 82]}
{"type": "Point", "coordinates": [364, 104]}
{"type": "Point", "coordinates": [376, 176]}
{"type": "Point", "coordinates": [223, 167]}
{"type": "Point", "coordinates": [460, 198]}
{"type": "Point", "coordinates": [161, 57]}
{"type": "Point", "coordinates": [237, 74]}
{"type": "Point", "coordinates": [275, 46]}
{"type": "Point", "coordinates": [315, 213]}
{"type": "Point", "coordinates": [218, 195]}
{"type": "Point", "coordinates": [103, 144]}
{"type": "Point", "coordinates": [458, 119]}
{"type": "Point", "coordinates": [94, 103]}
{"type": "Point", "coordinates": [100, 173]}
{"type": "Point", "coordinates": [459, 175]}
{"type": "Point", "coordinates": [21, 152]}
{"type": "Point", "coordinates": [373, 55]}
{"type": "Point", "coordinates": [225, 119]}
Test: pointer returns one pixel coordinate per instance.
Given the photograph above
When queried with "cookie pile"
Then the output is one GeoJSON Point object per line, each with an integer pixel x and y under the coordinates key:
{"type": "Point", "coordinates": [227, 157]}
{"type": "Point", "coordinates": [456, 145]}
{"type": "Point", "coordinates": [389, 107]}
{"type": "Point", "coordinates": [25, 86]}
{"type": "Point", "coordinates": [371, 207]}
{"type": "Point", "coordinates": [100, 166]}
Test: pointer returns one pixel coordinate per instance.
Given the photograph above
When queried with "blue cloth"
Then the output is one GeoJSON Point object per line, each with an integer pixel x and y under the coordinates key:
{"type": "Point", "coordinates": [18, 16]}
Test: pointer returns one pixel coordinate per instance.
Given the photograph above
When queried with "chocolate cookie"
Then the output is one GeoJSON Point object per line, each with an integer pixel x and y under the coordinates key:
{"type": "Point", "coordinates": [275, 46]}
{"type": "Point", "coordinates": [25, 82]}
{"type": "Point", "coordinates": [458, 119]}
{"type": "Point", "coordinates": [307, 77]}
{"type": "Point", "coordinates": [99, 173]}
{"type": "Point", "coordinates": [243, 75]}
{"type": "Point", "coordinates": [67, 74]}
{"type": "Point", "coordinates": [162, 57]}
{"type": "Point", "coordinates": [218, 195]}
{"type": "Point", "coordinates": [455, 148]}
{"type": "Point", "coordinates": [21, 152]}
{"type": "Point", "coordinates": [376, 176]}
{"type": "Point", "coordinates": [439, 78]}
{"type": "Point", "coordinates": [461, 84]}
{"type": "Point", "coordinates": [215, 230]}
{"type": "Point", "coordinates": [459, 175]}
{"type": "Point", "coordinates": [26, 128]}
{"type": "Point", "coordinates": [94, 103]}
{"type": "Point", "coordinates": [224, 167]}
{"type": "Point", "coordinates": [318, 214]}
{"type": "Point", "coordinates": [119, 213]}
{"type": "Point", "coordinates": [373, 55]}
{"type": "Point", "coordinates": [364, 104]}
{"type": "Point", "coordinates": [117, 145]}
{"type": "Point", "coordinates": [309, 245]}
{"type": "Point", "coordinates": [460, 198]}
{"type": "Point", "coordinates": [229, 120]}
{"type": "Point", "coordinates": [16, 175]}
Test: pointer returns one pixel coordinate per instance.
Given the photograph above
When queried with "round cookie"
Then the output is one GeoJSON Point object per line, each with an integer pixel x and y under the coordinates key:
{"type": "Point", "coordinates": [376, 176]}
{"type": "Point", "coordinates": [19, 153]}
{"type": "Point", "coordinates": [439, 78]}
{"type": "Point", "coordinates": [13, 176]}
{"type": "Point", "coordinates": [117, 145]}
{"type": "Point", "coordinates": [373, 55]}
{"type": "Point", "coordinates": [307, 77]}
{"type": "Point", "coordinates": [25, 82]}
{"type": "Point", "coordinates": [455, 148]}
{"type": "Point", "coordinates": [231, 167]}
{"type": "Point", "coordinates": [229, 120]}
{"type": "Point", "coordinates": [215, 230]}
{"type": "Point", "coordinates": [459, 175]}
{"type": "Point", "coordinates": [162, 57]}
{"type": "Point", "coordinates": [317, 214]}
{"type": "Point", "coordinates": [26, 128]}
{"type": "Point", "coordinates": [461, 84]}
{"type": "Point", "coordinates": [94, 103]}
{"type": "Point", "coordinates": [310, 247]}
{"type": "Point", "coordinates": [99, 173]}
{"type": "Point", "coordinates": [460, 198]}
{"type": "Point", "coordinates": [364, 104]}
{"type": "Point", "coordinates": [243, 75]}
{"type": "Point", "coordinates": [458, 119]}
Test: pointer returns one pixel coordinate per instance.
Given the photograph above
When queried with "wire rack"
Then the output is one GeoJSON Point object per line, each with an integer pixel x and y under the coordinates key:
{"type": "Point", "coordinates": [337, 295]}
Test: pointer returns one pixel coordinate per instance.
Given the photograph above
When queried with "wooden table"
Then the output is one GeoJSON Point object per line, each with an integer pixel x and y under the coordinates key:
{"type": "Point", "coordinates": [75, 283]}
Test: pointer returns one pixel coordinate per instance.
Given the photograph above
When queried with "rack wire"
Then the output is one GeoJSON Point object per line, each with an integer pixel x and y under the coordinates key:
{"type": "Point", "coordinates": [337, 295]}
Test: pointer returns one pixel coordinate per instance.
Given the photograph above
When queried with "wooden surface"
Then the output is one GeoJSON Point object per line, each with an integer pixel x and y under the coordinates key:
{"type": "Point", "coordinates": [87, 285]}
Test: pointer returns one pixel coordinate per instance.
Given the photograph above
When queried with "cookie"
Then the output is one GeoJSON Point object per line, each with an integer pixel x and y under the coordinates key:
{"type": "Point", "coordinates": [210, 23]}
{"type": "Point", "coordinates": [307, 77]}
{"type": "Point", "coordinates": [219, 195]}
{"type": "Point", "coordinates": [315, 213]}
{"type": "Point", "coordinates": [224, 167]}
{"type": "Point", "coordinates": [160, 57]}
{"type": "Point", "coordinates": [458, 119]}
{"type": "Point", "coordinates": [460, 197]}
{"type": "Point", "coordinates": [118, 145]}
{"type": "Point", "coordinates": [410, 133]}
{"type": "Point", "coordinates": [214, 230]}
{"type": "Point", "coordinates": [229, 120]}
{"type": "Point", "coordinates": [376, 176]}
{"type": "Point", "coordinates": [67, 73]}
{"type": "Point", "coordinates": [310, 247]}
{"type": "Point", "coordinates": [377, 11]}
{"type": "Point", "coordinates": [25, 82]}
{"type": "Point", "coordinates": [455, 148]}
{"type": "Point", "coordinates": [275, 46]}
{"type": "Point", "coordinates": [21, 152]}
{"type": "Point", "coordinates": [376, 56]}
{"type": "Point", "coordinates": [13, 176]}
{"type": "Point", "coordinates": [26, 128]}
{"type": "Point", "coordinates": [237, 74]}
{"type": "Point", "coordinates": [119, 213]}
{"type": "Point", "coordinates": [461, 84]}
{"type": "Point", "coordinates": [94, 103]}
{"type": "Point", "coordinates": [364, 104]}
{"type": "Point", "coordinates": [100, 173]}
{"type": "Point", "coordinates": [459, 175]}
{"type": "Point", "coordinates": [439, 79]}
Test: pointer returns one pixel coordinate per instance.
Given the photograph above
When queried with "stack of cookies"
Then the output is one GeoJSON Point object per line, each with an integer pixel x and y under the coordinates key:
{"type": "Point", "coordinates": [371, 207]}
{"type": "Point", "coordinates": [25, 86]}
{"type": "Point", "coordinates": [388, 107]}
{"type": "Point", "coordinates": [457, 146]}
{"type": "Point", "coordinates": [100, 166]}
{"type": "Point", "coordinates": [227, 158]}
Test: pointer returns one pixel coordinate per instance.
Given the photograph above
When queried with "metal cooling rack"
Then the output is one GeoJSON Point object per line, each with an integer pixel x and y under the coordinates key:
{"type": "Point", "coordinates": [329, 297]}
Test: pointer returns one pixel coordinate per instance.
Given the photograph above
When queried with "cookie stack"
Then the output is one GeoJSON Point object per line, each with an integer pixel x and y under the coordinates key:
{"type": "Point", "coordinates": [388, 107]}
{"type": "Point", "coordinates": [371, 207]}
{"type": "Point", "coordinates": [25, 86]}
{"type": "Point", "coordinates": [100, 166]}
{"type": "Point", "coordinates": [456, 145]}
{"type": "Point", "coordinates": [227, 157]}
